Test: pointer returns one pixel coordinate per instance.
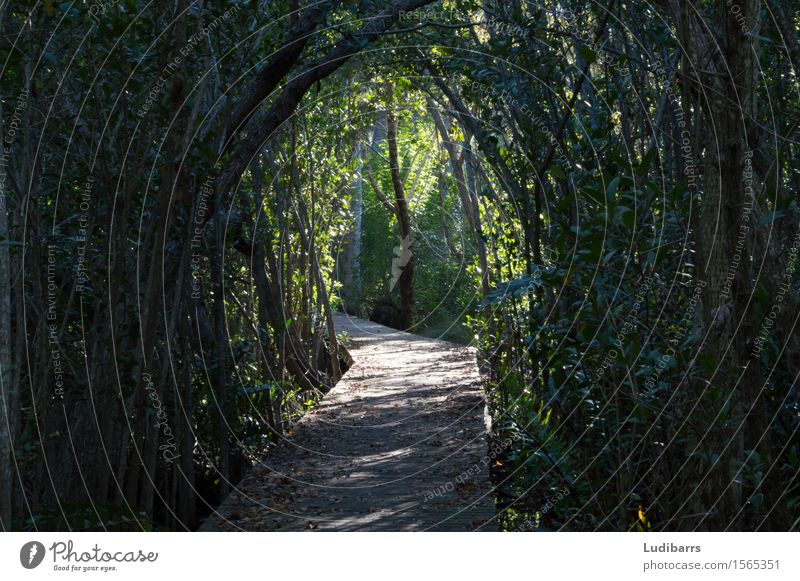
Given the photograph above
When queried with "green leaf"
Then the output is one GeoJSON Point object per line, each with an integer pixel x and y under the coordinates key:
{"type": "Point", "coordinates": [558, 172]}
{"type": "Point", "coordinates": [587, 54]}
{"type": "Point", "coordinates": [513, 288]}
{"type": "Point", "coordinates": [772, 217]}
{"type": "Point", "coordinates": [613, 185]}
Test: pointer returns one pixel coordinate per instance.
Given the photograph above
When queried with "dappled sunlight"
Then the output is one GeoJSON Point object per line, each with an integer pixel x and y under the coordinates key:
{"type": "Point", "coordinates": [370, 455]}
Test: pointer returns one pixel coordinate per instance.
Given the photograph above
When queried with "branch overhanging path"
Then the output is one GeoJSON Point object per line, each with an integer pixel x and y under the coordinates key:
{"type": "Point", "coordinates": [398, 444]}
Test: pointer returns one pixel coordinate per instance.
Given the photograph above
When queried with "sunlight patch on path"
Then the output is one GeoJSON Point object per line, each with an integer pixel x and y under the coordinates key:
{"type": "Point", "coordinates": [397, 445]}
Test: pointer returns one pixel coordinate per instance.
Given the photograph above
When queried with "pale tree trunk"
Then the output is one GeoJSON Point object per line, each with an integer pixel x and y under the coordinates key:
{"type": "Point", "coordinates": [466, 194]}
{"type": "Point", "coordinates": [406, 280]}
{"type": "Point", "coordinates": [358, 205]}
{"type": "Point", "coordinates": [304, 223]}
{"type": "Point", "coordinates": [351, 253]}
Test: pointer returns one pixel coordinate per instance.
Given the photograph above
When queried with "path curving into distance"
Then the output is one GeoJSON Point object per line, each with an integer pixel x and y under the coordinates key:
{"type": "Point", "coordinates": [398, 444]}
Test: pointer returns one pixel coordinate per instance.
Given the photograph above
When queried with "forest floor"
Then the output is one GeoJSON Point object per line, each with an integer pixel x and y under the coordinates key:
{"type": "Point", "coordinates": [399, 444]}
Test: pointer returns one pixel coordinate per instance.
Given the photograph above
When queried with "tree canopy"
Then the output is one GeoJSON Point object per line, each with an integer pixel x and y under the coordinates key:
{"type": "Point", "coordinates": [601, 197]}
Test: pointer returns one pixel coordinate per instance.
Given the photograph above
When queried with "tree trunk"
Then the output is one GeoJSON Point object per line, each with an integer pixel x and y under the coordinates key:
{"type": "Point", "coordinates": [7, 389]}
{"type": "Point", "coordinates": [466, 193]}
{"type": "Point", "coordinates": [221, 335]}
{"type": "Point", "coordinates": [350, 255]}
{"type": "Point", "coordinates": [406, 258]}
{"type": "Point", "coordinates": [723, 257]}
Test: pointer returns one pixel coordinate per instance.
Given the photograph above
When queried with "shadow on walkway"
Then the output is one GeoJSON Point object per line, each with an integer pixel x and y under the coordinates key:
{"type": "Point", "coordinates": [397, 445]}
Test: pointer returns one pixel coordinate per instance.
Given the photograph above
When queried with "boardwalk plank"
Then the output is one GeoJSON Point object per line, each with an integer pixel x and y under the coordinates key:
{"type": "Point", "coordinates": [397, 445]}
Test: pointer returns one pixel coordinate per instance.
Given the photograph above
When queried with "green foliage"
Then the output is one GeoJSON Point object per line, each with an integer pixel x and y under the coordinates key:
{"type": "Point", "coordinates": [586, 314]}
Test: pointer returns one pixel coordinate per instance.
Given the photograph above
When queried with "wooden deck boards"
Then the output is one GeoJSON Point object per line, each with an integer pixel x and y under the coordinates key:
{"type": "Point", "coordinates": [397, 445]}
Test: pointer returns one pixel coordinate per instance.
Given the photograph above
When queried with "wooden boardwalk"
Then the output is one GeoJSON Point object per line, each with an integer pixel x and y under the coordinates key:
{"type": "Point", "coordinates": [397, 445]}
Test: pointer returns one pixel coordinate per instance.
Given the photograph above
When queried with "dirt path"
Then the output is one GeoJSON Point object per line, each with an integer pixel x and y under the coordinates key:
{"type": "Point", "coordinates": [397, 445]}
